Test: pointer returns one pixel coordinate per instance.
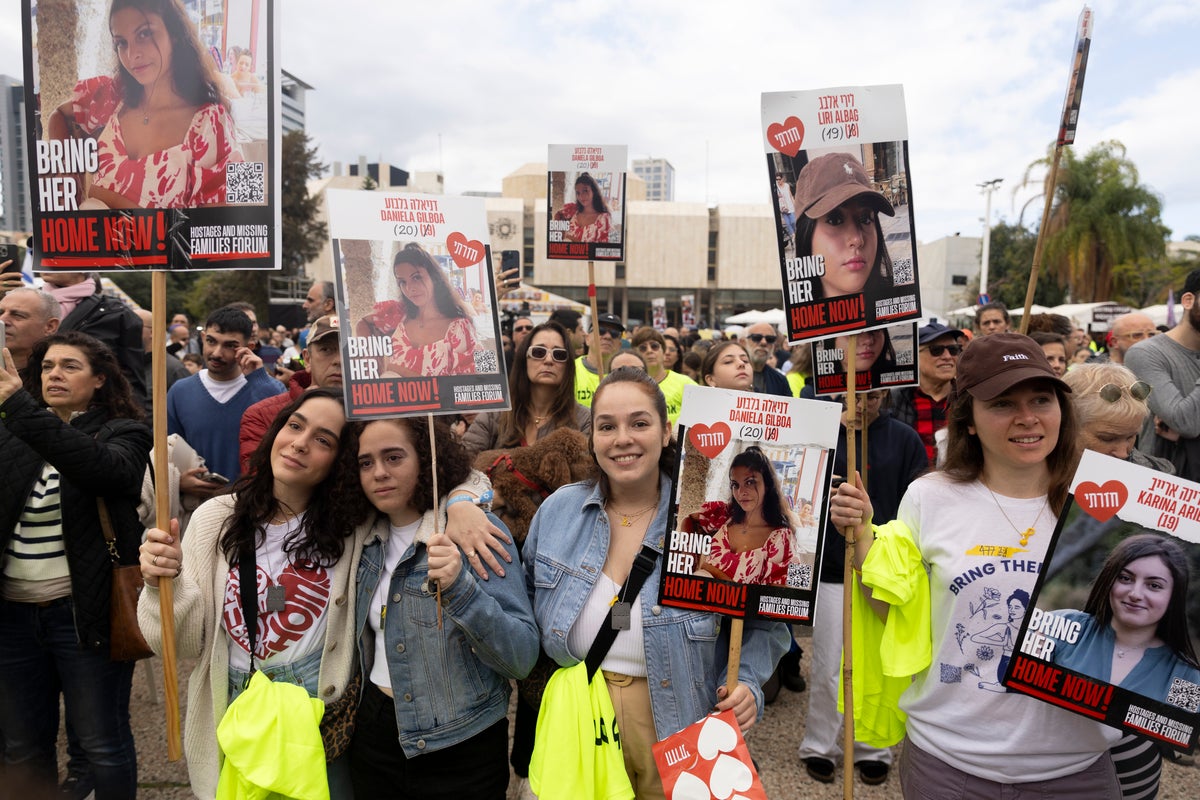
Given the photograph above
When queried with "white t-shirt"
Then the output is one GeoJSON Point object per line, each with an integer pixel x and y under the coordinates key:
{"type": "Point", "coordinates": [286, 636]}
{"type": "Point", "coordinates": [628, 652]}
{"type": "Point", "coordinates": [221, 391]}
{"type": "Point", "coordinates": [398, 542]}
{"type": "Point", "coordinates": [957, 709]}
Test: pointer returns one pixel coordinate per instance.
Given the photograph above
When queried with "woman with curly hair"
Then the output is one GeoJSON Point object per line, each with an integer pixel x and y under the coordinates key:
{"type": "Point", "coordinates": [433, 718]}
{"type": "Point", "coordinates": [163, 131]}
{"type": "Point", "coordinates": [754, 544]}
{"type": "Point", "coordinates": [72, 441]}
{"type": "Point", "coordinates": [589, 217]}
{"type": "Point", "coordinates": [285, 515]}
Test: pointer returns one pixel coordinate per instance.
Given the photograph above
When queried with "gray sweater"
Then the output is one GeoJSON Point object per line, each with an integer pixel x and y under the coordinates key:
{"type": "Point", "coordinates": [1174, 372]}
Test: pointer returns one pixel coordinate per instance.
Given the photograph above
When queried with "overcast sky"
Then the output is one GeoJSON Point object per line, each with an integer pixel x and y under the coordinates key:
{"type": "Point", "coordinates": [477, 89]}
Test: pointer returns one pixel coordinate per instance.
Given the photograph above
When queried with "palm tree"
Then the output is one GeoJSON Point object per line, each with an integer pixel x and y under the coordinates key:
{"type": "Point", "coordinates": [1101, 217]}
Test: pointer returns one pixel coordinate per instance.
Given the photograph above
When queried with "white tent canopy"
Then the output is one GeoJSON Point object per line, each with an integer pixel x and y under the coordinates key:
{"type": "Point", "coordinates": [969, 311]}
{"type": "Point", "coordinates": [1158, 313]}
{"type": "Point", "coordinates": [775, 316]}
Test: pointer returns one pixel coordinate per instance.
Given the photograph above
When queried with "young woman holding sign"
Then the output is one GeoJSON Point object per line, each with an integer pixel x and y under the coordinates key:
{"type": "Point", "coordinates": [433, 720]}
{"type": "Point", "coordinates": [666, 668]}
{"type": "Point", "coordinates": [966, 538]}
{"type": "Point", "coordinates": [163, 131]}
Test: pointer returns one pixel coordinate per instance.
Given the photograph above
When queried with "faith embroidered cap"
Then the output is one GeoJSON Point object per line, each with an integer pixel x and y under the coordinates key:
{"type": "Point", "coordinates": [991, 365]}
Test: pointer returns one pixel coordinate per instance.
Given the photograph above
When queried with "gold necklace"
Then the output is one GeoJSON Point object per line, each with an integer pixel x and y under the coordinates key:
{"type": "Point", "coordinates": [627, 520]}
{"type": "Point", "coordinates": [1028, 532]}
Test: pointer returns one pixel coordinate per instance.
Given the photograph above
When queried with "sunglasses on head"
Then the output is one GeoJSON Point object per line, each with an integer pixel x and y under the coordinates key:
{"type": "Point", "coordinates": [520, 328]}
{"type": "Point", "coordinates": [759, 337]}
{"type": "Point", "coordinates": [538, 353]}
{"type": "Point", "coordinates": [936, 350]}
{"type": "Point", "coordinates": [1111, 392]}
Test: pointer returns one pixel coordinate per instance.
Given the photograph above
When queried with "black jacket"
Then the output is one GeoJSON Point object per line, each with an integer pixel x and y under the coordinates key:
{"type": "Point", "coordinates": [95, 456]}
{"type": "Point", "coordinates": [115, 324]}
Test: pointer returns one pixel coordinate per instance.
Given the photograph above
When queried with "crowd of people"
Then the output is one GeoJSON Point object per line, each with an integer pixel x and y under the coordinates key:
{"type": "Point", "coordinates": [336, 527]}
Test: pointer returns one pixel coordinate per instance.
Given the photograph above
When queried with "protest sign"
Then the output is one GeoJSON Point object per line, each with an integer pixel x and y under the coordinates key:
{"type": "Point", "coordinates": [687, 314]}
{"type": "Point", "coordinates": [751, 495]}
{"type": "Point", "coordinates": [837, 160]}
{"type": "Point", "coordinates": [585, 191]}
{"type": "Point", "coordinates": [1074, 98]}
{"type": "Point", "coordinates": [658, 310]}
{"type": "Point", "coordinates": [416, 300]}
{"type": "Point", "coordinates": [1111, 624]}
{"type": "Point", "coordinates": [886, 358]}
{"type": "Point", "coordinates": [141, 165]}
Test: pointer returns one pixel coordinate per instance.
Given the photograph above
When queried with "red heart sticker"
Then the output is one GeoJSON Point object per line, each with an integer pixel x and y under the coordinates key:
{"type": "Point", "coordinates": [1101, 502]}
{"type": "Point", "coordinates": [788, 137]}
{"type": "Point", "coordinates": [465, 252]}
{"type": "Point", "coordinates": [709, 439]}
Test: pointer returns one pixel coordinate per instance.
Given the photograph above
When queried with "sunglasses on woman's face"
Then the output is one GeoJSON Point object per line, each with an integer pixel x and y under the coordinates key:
{"type": "Point", "coordinates": [1138, 391]}
{"type": "Point", "coordinates": [538, 353]}
{"type": "Point", "coordinates": [936, 350]}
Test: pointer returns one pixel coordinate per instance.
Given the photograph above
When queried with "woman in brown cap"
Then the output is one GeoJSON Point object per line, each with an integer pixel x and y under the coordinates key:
{"type": "Point", "coordinates": [966, 538]}
{"type": "Point", "coordinates": [838, 219]}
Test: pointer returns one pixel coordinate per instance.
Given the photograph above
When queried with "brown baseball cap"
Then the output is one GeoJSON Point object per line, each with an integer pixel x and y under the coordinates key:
{"type": "Point", "coordinates": [991, 365]}
{"type": "Point", "coordinates": [322, 327]}
{"type": "Point", "coordinates": [830, 180]}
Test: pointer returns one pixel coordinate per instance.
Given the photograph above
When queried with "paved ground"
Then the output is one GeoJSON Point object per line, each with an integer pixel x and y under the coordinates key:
{"type": "Point", "coordinates": [773, 743]}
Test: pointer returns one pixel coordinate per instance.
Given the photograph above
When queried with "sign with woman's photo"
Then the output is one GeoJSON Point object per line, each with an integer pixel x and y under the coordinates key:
{"type": "Point", "coordinates": [585, 189]}
{"type": "Point", "coordinates": [837, 168]}
{"type": "Point", "coordinates": [1113, 624]}
{"type": "Point", "coordinates": [157, 142]}
{"type": "Point", "coordinates": [885, 358]}
{"type": "Point", "coordinates": [750, 495]}
{"type": "Point", "coordinates": [416, 303]}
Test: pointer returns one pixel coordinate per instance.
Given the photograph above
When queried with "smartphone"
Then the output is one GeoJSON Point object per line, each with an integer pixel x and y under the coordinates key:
{"type": "Point", "coordinates": [511, 259]}
{"type": "Point", "coordinates": [10, 252]}
{"type": "Point", "coordinates": [2, 346]}
{"type": "Point", "coordinates": [214, 477]}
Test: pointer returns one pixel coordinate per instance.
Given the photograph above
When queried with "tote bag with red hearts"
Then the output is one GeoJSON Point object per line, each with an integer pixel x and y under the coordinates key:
{"type": "Point", "coordinates": [708, 760]}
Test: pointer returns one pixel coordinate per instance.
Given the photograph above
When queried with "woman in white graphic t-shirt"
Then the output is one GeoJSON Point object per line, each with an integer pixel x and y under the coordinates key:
{"type": "Point", "coordinates": [980, 527]}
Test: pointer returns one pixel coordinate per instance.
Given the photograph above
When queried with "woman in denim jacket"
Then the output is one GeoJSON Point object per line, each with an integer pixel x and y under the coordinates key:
{"type": "Point", "coordinates": [432, 722]}
{"type": "Point", "coordinates": [667, 669]}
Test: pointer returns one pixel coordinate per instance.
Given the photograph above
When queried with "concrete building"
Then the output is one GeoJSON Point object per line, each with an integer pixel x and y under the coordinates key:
{"type": "Point", "coordinates": [293, 91]}
{"type": "Point", "coordinates": [659, 176]}
{"type": "Point", "coordinates": [949, 271]}
{"type": "Point", "coordinates": [725, 256]}
{"type": "Point", "coordinates": [16, 212]}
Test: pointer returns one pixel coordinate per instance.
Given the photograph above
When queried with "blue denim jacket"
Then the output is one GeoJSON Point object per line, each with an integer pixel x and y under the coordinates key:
{"type": "Point", "coordinates": [686, 651]}
{"type": "Point", "coordinates": [449, 684]}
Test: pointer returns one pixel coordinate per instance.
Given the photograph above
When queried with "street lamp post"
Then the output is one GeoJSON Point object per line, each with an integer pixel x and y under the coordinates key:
{"type": "Point", "coordinates": [988, 187]}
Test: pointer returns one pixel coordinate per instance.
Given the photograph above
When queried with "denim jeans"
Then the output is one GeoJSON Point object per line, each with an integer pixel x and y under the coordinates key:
{"type": "Point", "coordinates": [39, 655]}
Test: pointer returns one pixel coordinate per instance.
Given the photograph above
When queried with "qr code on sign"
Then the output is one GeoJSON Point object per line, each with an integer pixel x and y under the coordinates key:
{"type": "Point", "coordinates": [1184, 694]}
{"type": "Point", "coordinates": [902, 272]}
{"type": "Point", "coordinates": [245, 182]}
{"type": "Point", "coordinates": [485, 362]}
{"type": "Point", "coordinates": [800, 576]}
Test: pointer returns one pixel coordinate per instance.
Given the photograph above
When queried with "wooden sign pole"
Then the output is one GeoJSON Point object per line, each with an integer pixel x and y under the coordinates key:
{"type": "Point", "coordinates": [162, 504]}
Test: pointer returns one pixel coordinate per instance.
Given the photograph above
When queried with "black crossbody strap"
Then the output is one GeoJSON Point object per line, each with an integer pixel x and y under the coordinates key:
{"type": "Point", "coordinates": [248, 577]}
{"type": "Point", "coordinates": [643, 565]}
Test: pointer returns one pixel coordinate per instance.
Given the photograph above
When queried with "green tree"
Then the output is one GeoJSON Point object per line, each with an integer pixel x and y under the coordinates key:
{"type": "Point", "coordinates": [1009, 262]}
{"type": "Point", "coordinates": [303, 233]}
{"type": "Point", "coordinates": [369, 184]}
{"type": "Point", "coordinates": [1100, 217]}
{"type": "Point", "coordinates": [218, 288]}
